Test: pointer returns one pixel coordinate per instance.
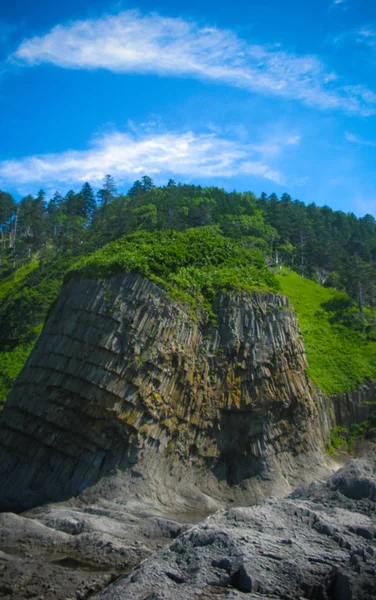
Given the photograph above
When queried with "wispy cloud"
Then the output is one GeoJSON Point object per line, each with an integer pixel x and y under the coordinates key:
{"type": "Point", "coordinates": [338, 4]}
{"type": "Point", "coordinates": [364, 36]}
{"type": "Point", "coordinates": [128, 156]}
{"type": "Point", "coordinates": [354, 139]}
{"type": "Point", "coordinates": [274, 146]}
{"type": "Point", "coordinates": [133, 43]}
{"type": "Point", "coordinates": [367, 35]}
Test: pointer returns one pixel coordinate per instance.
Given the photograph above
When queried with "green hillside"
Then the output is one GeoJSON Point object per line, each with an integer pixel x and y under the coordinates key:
{"type": "Point", "coordinates": [25, 298]}
{"type": "Point", "coordinates": [340, 344]}
{"type": "Point", "coordinates": [195, 242]}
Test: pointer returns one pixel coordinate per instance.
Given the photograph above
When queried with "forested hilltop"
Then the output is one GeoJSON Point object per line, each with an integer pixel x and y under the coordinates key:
{"type": "Point", "coordinates": [195, 241]}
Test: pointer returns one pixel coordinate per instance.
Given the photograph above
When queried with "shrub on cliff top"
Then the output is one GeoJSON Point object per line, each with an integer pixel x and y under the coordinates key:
{"type": "Point", "coordinates": [195, 264]}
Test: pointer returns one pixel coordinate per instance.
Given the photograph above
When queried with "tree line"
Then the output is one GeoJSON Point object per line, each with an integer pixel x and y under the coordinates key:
{"type": "Point", "coordinates": [333, 248]}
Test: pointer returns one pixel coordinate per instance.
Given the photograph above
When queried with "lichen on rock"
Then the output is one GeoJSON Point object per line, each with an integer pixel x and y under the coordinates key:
{"type": "Point", "coordinates": [125, 380]}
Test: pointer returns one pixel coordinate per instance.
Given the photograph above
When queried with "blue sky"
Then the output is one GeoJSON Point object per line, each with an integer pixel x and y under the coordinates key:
{"type": "Point", "coordinates": [259, 95]}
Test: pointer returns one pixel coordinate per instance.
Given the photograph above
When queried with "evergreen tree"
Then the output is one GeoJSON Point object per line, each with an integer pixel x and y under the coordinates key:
{"type": "Point", "coordinates": [136, 189]}
{"type": "Point", "coordinates": [87, 201]}
{"type": "Point", "coordinates": [108, 191]}
{"type": "Point", "coordinates": [147, 183]}
{"type": "Point", "coordinates": [55, 205]}
{"type": "Point", "coordinates": [331, 247]}
{"type": "Point", "coordinates": [7, 212]}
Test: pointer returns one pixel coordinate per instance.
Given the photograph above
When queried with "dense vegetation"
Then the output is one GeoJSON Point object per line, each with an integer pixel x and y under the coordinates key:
{"type": "Point", "coordinates": [193, 265]}
{"type": "Point", "coordinates": [340, 343]}
{"type": "Point", "coordinates": [333, 248]}
{"type": "Point", "coordinates": [195, 241]}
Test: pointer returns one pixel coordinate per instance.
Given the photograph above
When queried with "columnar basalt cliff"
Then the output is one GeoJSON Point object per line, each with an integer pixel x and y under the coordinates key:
{"type": "Point", "coordinates": [345, 410]}
{"type": "Point", "coordinates": [355, 406]}
{"type": "Point", "coordinates": [125, 382]}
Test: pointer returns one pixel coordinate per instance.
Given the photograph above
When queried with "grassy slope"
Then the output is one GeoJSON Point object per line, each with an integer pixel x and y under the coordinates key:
{"type": "Point", "coordinates": [25, 298]}
{"type": "Point", "coordinates": [17, 277]}
{"type": "Point", "coordinates": [340, 357]}
{"type": "Point", "coordinates": [12, 362]}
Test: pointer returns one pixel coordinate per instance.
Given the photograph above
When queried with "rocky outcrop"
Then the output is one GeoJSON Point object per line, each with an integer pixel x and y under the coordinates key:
{"type": "Point", "coordinates": [66, 552]}
{"type": "Point", "coordinates": [317, 544]}
{"type": "Point", "coordinates": [129, 391]}
{"type": "Point", "coordinates": [345, 410]}
{"type": "Point", "coordinates": [355, 406]}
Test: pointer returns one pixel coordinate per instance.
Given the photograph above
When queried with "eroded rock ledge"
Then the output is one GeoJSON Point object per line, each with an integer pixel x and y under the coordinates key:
{"type": "Point", "coordinates": [128, 391]}
{"type": "Point", "coordinates": [317, 544]}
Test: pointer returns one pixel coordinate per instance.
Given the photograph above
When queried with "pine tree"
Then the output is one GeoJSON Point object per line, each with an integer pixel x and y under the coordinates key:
{"type": "Point", "coordinates": [87, 201]}
{"type": "Point", "coordinates": [136, 189]}
{"type": "Point", "coordinates": [7, 212]}
{"type": "Point", "coordinates": [108, 191]}
{"type": "Point", "coordinates": [147, 183]}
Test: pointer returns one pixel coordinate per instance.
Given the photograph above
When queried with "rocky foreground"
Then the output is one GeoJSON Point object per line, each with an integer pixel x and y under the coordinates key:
{"type": "Point", "coordinates": [71, 551]}
{"type": "Point", "coordinates": [318, 543]}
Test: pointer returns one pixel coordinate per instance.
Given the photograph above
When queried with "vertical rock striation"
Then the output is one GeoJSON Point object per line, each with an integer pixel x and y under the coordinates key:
{"type": "Point", "coordinates": [355, 406]}
{"type": "Point", "coordinates": [127, 389]}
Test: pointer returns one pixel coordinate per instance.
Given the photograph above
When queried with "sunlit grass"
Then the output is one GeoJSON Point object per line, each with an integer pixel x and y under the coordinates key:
{"type": "Point", "coordinates": [340, 356]}
{"type": "Point", "coordinates": [15, 278]}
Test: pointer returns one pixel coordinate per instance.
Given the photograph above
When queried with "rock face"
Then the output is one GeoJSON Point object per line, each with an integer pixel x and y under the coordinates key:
{"type": "Point", "coordinates": [355, 406]}
{"type": "Point", "coordinates": [317, 544]}
{"type": "Point", "coordinates": [127, 390]}
{"type": "Point", "coordinates": [344, 410]}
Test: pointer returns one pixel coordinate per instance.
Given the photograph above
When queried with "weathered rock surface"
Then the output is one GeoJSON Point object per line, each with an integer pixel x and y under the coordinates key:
{"type": "Point", "coordinates": [127, 394]}
{"type": "Point", "coordinates": [72, 551]}
{"type": "Point", "coordinates": [317, 544]}
{"type": "Point", "coordinates": [354, 406]}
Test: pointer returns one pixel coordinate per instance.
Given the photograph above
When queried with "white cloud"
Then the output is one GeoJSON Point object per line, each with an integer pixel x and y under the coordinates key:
{"type": "Point", "coordinates": [350, 137]}
{"type": "Point", "coordinates": [365, 36]}
{"type": "Point", "coordinates": [132, 43]}
{"type": "Point", "coordinates": [127, 157]}
{"type": "Point", "coordinates": [354, 139]}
